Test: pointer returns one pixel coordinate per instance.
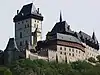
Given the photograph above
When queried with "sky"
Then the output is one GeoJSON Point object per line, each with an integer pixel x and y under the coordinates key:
{"type": "Point", "coordinates": [81, 15]}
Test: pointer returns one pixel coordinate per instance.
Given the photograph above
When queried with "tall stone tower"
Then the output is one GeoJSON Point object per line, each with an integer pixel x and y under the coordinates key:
{"type": "Point", "coordinates": [28, 26]}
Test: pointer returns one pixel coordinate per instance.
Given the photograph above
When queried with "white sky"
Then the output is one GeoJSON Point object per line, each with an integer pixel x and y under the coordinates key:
{"type": "Point", "coordinates": [80, 14]}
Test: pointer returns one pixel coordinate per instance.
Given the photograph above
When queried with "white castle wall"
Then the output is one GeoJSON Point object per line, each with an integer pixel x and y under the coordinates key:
{"type": "Point", "coordinates": [26, 27]}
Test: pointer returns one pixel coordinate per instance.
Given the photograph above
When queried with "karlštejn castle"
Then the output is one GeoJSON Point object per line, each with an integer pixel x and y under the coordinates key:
{"type": "Point", "coordinates": [61, 43]}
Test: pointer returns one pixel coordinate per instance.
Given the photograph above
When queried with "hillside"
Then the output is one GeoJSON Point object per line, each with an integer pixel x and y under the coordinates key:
{"type": "Point", "coordinates": [40, 67]}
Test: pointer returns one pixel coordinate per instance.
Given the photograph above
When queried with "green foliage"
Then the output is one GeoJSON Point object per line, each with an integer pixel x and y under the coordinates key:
{"type": "Point", "coordinates": [92, 60]}
{"type": "Point", "coordinates": [41, 67]}
{"type": "Point", "coordinates": [5, 71]}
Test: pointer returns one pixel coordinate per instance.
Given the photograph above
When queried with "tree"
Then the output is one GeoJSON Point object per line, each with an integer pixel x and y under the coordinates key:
{"type": "Point", "coordinates": [41, 67]}
{"type": "Point", "coordinates": [92, 60]}
{"type": "Point", "coordinates": [5, 71]}
{"type": "Point", "coordinates": [81, 66]}
{"type": "Point", "coordinates": [98, 58]}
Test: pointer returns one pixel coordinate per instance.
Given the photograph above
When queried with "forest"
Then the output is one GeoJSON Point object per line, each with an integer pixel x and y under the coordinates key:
{"type": "Point", "coordinates": [42, 67]}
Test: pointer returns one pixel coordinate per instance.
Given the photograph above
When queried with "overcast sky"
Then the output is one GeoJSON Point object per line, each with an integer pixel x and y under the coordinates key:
{"type": "Point", "coordinates": [80, 14]}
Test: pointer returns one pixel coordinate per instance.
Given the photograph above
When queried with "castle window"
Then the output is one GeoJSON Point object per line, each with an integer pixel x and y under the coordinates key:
{"type": "Point", "coordinates": [37, 25]}
{"type": "Point", "coordinates": [76, 51]}
{"type": "Point", "coordinates": [73, 54]}
{"type": "Point", "coordinates": [20, 43]}
{"type": "Point", "coordinates": [20, 34]}
{"type": "Point", "coordinates": [26, 43]}
{"type": "Point", "coordinates": [69, 49]}
{"type": "Point", "coordinates": [79, 52]}
{"type": "Point", "coordinates": [69, 54]}
{"type": "Point", "coordinates": [65, 53]}
{"type": "Point", "coordinates": [73, 50]}
{"type": "Point", "coordinates": [65, 49]}
{"type": "Point", "coordinates": [60, 48]}
{"type": "Point", "coordinates": [27, 25]}
{"type": "Point", "coordinates": [37, 21]}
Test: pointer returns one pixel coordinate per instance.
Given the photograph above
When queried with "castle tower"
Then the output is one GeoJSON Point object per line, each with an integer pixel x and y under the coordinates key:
{"type": "Point", "coordinates": [28, 26]}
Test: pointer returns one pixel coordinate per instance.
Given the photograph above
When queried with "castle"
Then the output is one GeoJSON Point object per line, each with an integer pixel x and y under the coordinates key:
{"type": "Point", "coordinates": [61, 43]}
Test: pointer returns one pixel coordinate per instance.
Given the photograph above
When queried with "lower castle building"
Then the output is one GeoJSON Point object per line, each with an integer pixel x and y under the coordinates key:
{"type": "Point", "coordinates": [64, 45]}
{"type": "Point", "coordinates": [61, 43]}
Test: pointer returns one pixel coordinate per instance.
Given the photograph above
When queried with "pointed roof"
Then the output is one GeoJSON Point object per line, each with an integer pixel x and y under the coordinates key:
{"type": "Point", "coordinates": [60, 17]}
{"type": "Point", "coordinates": [11, 46]}
{"type": "Point", "coordinates": [28, 11]}
{"type": "Point", "coordinates": [94, 38]}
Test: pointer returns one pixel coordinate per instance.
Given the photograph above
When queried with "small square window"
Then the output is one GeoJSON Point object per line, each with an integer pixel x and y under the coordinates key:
{"type": "Point", "coordinates": [73, 50]}
{"type": "Point", "coordinates": [69, 49]}
{"type": "Point", "coordinates": [27, 25]}
{"type": "Point", "coordinates": [60, 48]}
{"type": "Point", "coordinates": [65, 53]}
{"type": "Point", "coordinates": [79, 52]}
{"type": "Point", "coordinates": [37, 21]}
{"type": "Point", "coordinates": [65, 49]}
{"type": "Point", "coordinates": [73, 54]}
{"type": "Point", "coordinates": [76, 51]}
{"type": "Point", "coordinates": [69, 54]}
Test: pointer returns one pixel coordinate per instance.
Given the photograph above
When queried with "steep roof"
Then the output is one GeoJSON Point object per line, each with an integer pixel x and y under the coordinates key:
{"type": "Point", "coordinates": [61, 27]}
{"type": "Point", "coordinates": [67, 38]}
{"type": "Point", "coordinates": [11, 46]}
{"type": "Point", "coordinates": [28, 11]}
{"type": "Point", "coordinates": [62, 31]}
{"type": "Point", "coordinates": [85, 36]}
{"type": "Point", "coordinates": [94, 38]}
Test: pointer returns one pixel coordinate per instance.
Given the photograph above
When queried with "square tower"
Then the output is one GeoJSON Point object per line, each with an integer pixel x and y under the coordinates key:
{"type": "Point", "coordinates": [28, 26]}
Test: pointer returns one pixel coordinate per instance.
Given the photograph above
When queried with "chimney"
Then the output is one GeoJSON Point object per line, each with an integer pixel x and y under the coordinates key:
{"type": "Point", "coordinates": [17, 11]}
{"type": "Point", "coordinates": [38, 10]}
